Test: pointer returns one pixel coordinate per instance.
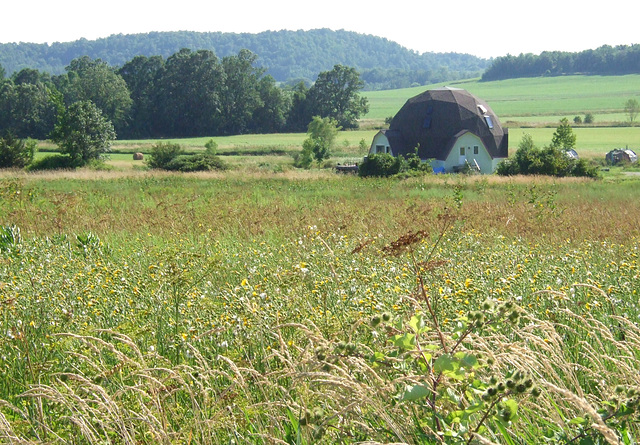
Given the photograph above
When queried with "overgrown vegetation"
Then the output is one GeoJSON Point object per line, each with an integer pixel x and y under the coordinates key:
{"type": "Point", "coordinates": [477, 311]}
{"type": "Point", "coordinates": [555, 159]}
{"type": "Point", "coordinates": [385, 165]}
{"type": "Point", "coordinates": [171, 156]}
{"type": "Point", "coordinates": [16, 153]}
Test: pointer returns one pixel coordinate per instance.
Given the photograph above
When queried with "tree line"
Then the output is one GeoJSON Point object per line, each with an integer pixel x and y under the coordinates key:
{"type": "Point", "coordinates": [605, 60]}
{"type": "Point", "coordinates": [189, 94]}
{"type": "Point", "coordinates": [288, 56]}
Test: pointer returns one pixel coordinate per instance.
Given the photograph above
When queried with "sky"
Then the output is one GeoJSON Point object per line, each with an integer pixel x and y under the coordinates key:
{"type": "Point", "coordinates": [484, 28]}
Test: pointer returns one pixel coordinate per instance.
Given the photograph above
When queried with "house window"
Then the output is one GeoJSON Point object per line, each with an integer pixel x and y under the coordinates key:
{"type": "Point", "coordinates": [380, 149]}
{"type": "Point", "coordinates": [386, 149]}
{"type": "Point", "coordinates": [488, 120]}
{"type": "Point", "coordinates": [475, 149]}
{"type": "Point", "coordinates": [461, 151]}
{"type": "Point", "coordinates": [427, 122]}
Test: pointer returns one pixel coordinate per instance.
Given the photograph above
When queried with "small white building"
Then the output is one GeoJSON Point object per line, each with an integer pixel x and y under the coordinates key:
{"type": "Point", "coordinates": [449, 127]}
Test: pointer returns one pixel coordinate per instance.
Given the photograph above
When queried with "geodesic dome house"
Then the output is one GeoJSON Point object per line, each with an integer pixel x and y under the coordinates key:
{"type": "Point", "coordinates": [448, 126]}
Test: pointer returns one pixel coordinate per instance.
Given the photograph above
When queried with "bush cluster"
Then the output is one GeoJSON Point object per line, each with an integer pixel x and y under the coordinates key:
{"type": "Point", "coordinates": [16, 153]}
{"type": "Point", "coordinates": [551, 160]}
{"type": "Point", "coordinates": [171, 156]}
{"type": "Point", "coordinates": [384, 165]}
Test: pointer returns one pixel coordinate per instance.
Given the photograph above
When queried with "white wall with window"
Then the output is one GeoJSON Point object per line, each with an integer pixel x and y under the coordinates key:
{"type": "Point", "coordinates": [380, 144]}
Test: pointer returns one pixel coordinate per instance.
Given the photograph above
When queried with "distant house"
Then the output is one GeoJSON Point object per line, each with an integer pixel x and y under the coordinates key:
{"type": "Point", "coordinates": [621, 155]}
{"type": "Point", "coordinates": [448, 126]}
{"type": "Point", "coordinates": [572, 154]}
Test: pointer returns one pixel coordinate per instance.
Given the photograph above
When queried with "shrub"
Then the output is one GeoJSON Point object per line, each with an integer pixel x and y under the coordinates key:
{"type": "Point", "coordinates": [381, 164]}
{"type": "Point", "coordinates": [195, 163]}
{"type": "Point", "coordinates": [16, 153]}
{"type": "Point", "coordinates": [304, 158]}
{"type": "Point", "coordinates": [551, 161]}
{"type": "Point", "coordinates": [384, 164]}
{"type": "Point", "coordinates": [163, 153]}
{"type": "Point", "coordinates": [54, 162]}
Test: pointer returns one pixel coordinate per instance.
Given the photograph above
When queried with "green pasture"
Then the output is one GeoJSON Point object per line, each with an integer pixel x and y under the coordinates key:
{"type": "Point", "coordinates": [566, 96]}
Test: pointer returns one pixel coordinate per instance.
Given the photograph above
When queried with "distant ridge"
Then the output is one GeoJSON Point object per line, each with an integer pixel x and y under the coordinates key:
{"type": "Point", "coordinates": [287, 55]}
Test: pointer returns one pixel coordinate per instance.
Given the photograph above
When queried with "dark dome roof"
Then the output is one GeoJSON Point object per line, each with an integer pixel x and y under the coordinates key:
{"type": "Point", "coordinates": [433, 118]}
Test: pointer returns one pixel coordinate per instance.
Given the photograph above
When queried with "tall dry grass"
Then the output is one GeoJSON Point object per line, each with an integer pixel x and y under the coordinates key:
{"type": "Point", "coordinates": [284, 204]}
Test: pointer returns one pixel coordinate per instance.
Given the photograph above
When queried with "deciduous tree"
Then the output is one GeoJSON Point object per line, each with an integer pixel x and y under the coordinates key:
{"type": "Point", "coordinates": [632, 108]}
{"type": "Point", "coordinates": [322, 135]}
{"type": "Point", "coordinates": [335, 94]}
{"type": "Point", "coordinates": [140, 75]}
{"type": "Point", "coordinates": [187, 94]}
{"type": "Point", "coordinates": [97, 82]}
{"type": "Point", "coordinates": [564, 138]}
{"type": "Point", "coordinates": [83, 132]}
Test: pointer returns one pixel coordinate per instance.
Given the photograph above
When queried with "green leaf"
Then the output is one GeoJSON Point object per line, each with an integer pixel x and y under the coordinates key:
{"type": "Point", "coordinates": [405, 341]}
{"type": "Point", "coordinates": [417, 324]}
{"type": "Point", "coordinates": [467, 360]}
{"type": "Point", "coordinates": [474, 408]}
{"type": "Point", "coordinates": [455, 417]}
{"type": "Point", "coordinates": [443, 363]}
{"type": "Point", "coordinates": [415, 392]}
{"type": "Point", "coordinates": [578, 421]}
{"type": "Point", "coordinates": [512, 405]}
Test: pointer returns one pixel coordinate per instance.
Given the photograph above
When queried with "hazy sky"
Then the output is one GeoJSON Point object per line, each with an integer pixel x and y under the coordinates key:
{"type": "Point", "coordinates": [485, 28]}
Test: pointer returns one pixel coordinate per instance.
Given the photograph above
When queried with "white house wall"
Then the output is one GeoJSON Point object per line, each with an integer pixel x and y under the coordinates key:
{"type": "Point", "coordinates": [469, 141]}
{"type": "Point", "coordinates": [380, 140]}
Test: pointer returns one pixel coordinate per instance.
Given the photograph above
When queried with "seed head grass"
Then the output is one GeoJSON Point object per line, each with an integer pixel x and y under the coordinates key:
{"type": "Point", "coordinates": [138, 310]}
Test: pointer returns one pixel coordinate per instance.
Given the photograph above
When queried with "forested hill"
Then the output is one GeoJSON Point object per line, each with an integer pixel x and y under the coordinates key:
{"type": "Point", "coordinates": [287, 55]}
{"type": "Point", "coordinates": [605, 60]}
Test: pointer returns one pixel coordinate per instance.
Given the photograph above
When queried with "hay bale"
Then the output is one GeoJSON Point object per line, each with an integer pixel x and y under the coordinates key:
{"type": "Point", "coordinates": [138, 156]}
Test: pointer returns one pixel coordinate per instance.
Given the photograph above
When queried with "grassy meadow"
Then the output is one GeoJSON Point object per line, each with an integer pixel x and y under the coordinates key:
{"type": "Point", "coordinates": [300, 308]}
{"type": "Point", "coordinates": [269, 305]}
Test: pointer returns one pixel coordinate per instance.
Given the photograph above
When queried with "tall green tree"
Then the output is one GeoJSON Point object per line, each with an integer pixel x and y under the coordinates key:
{"type": "Point", "coordinates": [28, 109]}
{"type": "Point", "coordinates": [271, 115]}
{"type": "Point", "coordinates": [335, 94]}
{"type": "Point", "coordinates": [241, 96]}
{"type": "Point", "coordinates": [299, 114]}
{"type": "Point", "coordinates": [97, 82]}
{"type": "Point", "coordinates": [632, 108]}
{"type": "Point", "coordinates": [564, 138]}
{"type": "Point", "coordinates": [322, 135]}
{"type": "Point", "coordinates": [140, 75]}
{"type": "Point", "coordinates": [83, 132]}
{"type": "Point", "coordinates": [187, 94]}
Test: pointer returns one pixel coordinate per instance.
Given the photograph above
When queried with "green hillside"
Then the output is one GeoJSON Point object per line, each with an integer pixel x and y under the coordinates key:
{"type": "Point", "coordinates": [538, 101]}
{"type": "Point", "coordinates": [286, 55]}
{"type": "Point", "coordinates": [536, 105]}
